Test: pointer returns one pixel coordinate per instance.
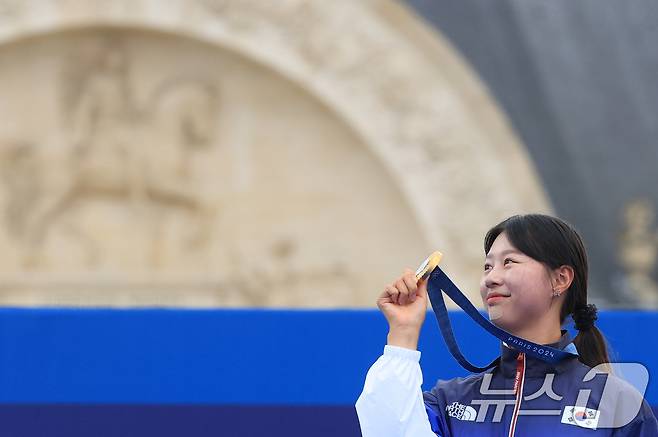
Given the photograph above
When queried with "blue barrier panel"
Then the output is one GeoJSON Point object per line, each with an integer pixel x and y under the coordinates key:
{"type": "Point", "coordinates": [64, 420]}
{"type": "Point", "coordinates": [232, 371]}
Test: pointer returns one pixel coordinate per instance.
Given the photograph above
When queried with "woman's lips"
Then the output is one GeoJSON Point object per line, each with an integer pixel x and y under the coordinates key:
{"type": "Point", "coordinates": [495, 298]}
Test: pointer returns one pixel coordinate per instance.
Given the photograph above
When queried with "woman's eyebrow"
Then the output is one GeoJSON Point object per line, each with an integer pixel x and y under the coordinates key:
{"type": "Point", "coordinates": [504, 252]}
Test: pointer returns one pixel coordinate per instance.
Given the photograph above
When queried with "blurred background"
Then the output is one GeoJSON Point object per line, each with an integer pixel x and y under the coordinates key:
{"type": "Point", "coordinates": [201, 200]}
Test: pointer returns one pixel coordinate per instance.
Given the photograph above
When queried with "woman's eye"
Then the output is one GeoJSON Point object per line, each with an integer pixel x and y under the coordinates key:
{"type": "Point", "coordinates": [508, 259]}
{"type": "Point", "coordinates": [487, 267]}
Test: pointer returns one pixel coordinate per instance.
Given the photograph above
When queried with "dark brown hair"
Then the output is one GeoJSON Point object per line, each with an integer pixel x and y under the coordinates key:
{"type": "Point", "coordinates": [555, 243]}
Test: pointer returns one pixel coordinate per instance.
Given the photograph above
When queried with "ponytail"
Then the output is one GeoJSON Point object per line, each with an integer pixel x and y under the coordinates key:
{"type": "Point", "coordinates": [591, 346]}
{"type": "Point", "coordinates": [590, 343]}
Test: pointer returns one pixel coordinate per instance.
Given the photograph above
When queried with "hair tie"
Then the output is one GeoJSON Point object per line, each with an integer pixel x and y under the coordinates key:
{"type": "Point", "coordinates": [584, 317]}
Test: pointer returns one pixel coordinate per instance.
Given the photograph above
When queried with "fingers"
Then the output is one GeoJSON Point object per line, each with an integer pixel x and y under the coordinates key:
{"type": "Point", "coordinates": [410, 281]}
{"type": "Point", "coordinates": [403, 297]}
{"type": "Point", "coordinates": [392, 293]}
{"type": "Point", "coordinates": [403, 290]}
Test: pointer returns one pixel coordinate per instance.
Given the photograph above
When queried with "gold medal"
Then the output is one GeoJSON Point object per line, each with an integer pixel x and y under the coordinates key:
{"type": "Point", "coordinates": [428, 265]}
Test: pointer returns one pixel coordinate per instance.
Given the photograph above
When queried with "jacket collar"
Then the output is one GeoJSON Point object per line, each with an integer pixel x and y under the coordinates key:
{"type": "Point", "coordinates": [535, 367]}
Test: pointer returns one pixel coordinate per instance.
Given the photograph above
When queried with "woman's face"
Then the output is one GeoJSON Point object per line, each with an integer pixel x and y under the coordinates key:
{"type": "Point", "coordinates": [516, 289]}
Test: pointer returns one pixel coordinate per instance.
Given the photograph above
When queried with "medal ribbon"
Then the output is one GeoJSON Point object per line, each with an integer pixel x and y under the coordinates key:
{"type": "Point", "coordinates": [439, 282]}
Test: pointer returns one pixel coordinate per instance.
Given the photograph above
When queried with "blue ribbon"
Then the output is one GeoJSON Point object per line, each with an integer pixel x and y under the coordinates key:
{"type": "Point", "coordinates": [439, 282]}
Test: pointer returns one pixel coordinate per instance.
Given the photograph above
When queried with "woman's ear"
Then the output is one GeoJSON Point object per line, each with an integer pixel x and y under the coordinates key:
{"type": "Point", "coordinates": [562, 279]}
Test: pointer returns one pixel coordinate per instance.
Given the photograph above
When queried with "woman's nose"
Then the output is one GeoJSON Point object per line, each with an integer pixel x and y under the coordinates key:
{"type": "Point", "coordinates": [492, 278]}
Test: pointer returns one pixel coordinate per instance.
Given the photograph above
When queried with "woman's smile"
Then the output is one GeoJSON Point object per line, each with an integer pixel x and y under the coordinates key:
{"type": "Point", "coordinates": [495, 299]}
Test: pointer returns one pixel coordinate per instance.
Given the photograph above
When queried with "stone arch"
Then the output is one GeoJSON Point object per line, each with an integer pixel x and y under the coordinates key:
{"type": "Point", "coordinates": [398, 85]}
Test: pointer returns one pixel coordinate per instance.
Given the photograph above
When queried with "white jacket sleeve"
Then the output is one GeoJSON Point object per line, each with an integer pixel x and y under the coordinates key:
{"type": "Point", "coordinates": [391, 404]}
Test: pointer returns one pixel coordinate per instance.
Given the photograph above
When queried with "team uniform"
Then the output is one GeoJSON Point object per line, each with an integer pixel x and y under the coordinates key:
{"type": "Point", "coordinates": [520, 396]}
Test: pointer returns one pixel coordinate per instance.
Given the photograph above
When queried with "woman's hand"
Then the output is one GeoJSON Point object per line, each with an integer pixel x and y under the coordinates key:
{"type": "Point", "coordinates": [404, 304]}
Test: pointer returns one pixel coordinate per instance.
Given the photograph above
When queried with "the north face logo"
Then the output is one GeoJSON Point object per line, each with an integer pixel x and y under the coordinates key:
{"type": "Point", "coordinates": [461, 412]}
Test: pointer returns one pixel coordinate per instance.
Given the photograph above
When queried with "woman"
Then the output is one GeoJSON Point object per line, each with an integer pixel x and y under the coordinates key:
{"type": "Point", "coordinates": [534, 276]}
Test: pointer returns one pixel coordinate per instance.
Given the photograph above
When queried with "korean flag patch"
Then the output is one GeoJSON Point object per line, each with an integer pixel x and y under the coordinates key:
{"type": "Point", "coordinates": [580, 416]}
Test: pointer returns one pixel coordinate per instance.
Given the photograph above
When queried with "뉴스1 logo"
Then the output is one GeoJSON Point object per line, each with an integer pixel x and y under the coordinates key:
{"type": "Point", "coordinates": [579, 416]}
{"type": "Point", "coordinates": [461, 412]}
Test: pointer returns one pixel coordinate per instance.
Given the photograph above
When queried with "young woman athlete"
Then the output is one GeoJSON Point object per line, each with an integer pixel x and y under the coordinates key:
{"type": "Point", "coordinates": [534, 276]}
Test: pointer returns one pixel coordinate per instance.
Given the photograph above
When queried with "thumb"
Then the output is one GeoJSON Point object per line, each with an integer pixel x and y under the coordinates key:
{"type": "Point", "coordinates": [422, 289]}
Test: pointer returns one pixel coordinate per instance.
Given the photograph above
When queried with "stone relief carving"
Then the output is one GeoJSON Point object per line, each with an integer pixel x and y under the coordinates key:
{"type": "Point", "coordinates": [113, 157]}
{"type": "Point", "coordinates": [388, 85]}
{"type": "Point", "coordinates": [126, 159]}
{"type": "Point", "coordinates": [256, 282]}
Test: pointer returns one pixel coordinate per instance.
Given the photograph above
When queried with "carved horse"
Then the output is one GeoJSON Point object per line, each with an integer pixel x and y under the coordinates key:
{"type": "Point", "coordinates": [143, 161]}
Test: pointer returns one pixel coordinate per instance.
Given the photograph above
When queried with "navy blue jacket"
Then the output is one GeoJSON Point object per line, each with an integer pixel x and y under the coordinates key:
{"type": "Point", "coordinates": [486, 404]}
